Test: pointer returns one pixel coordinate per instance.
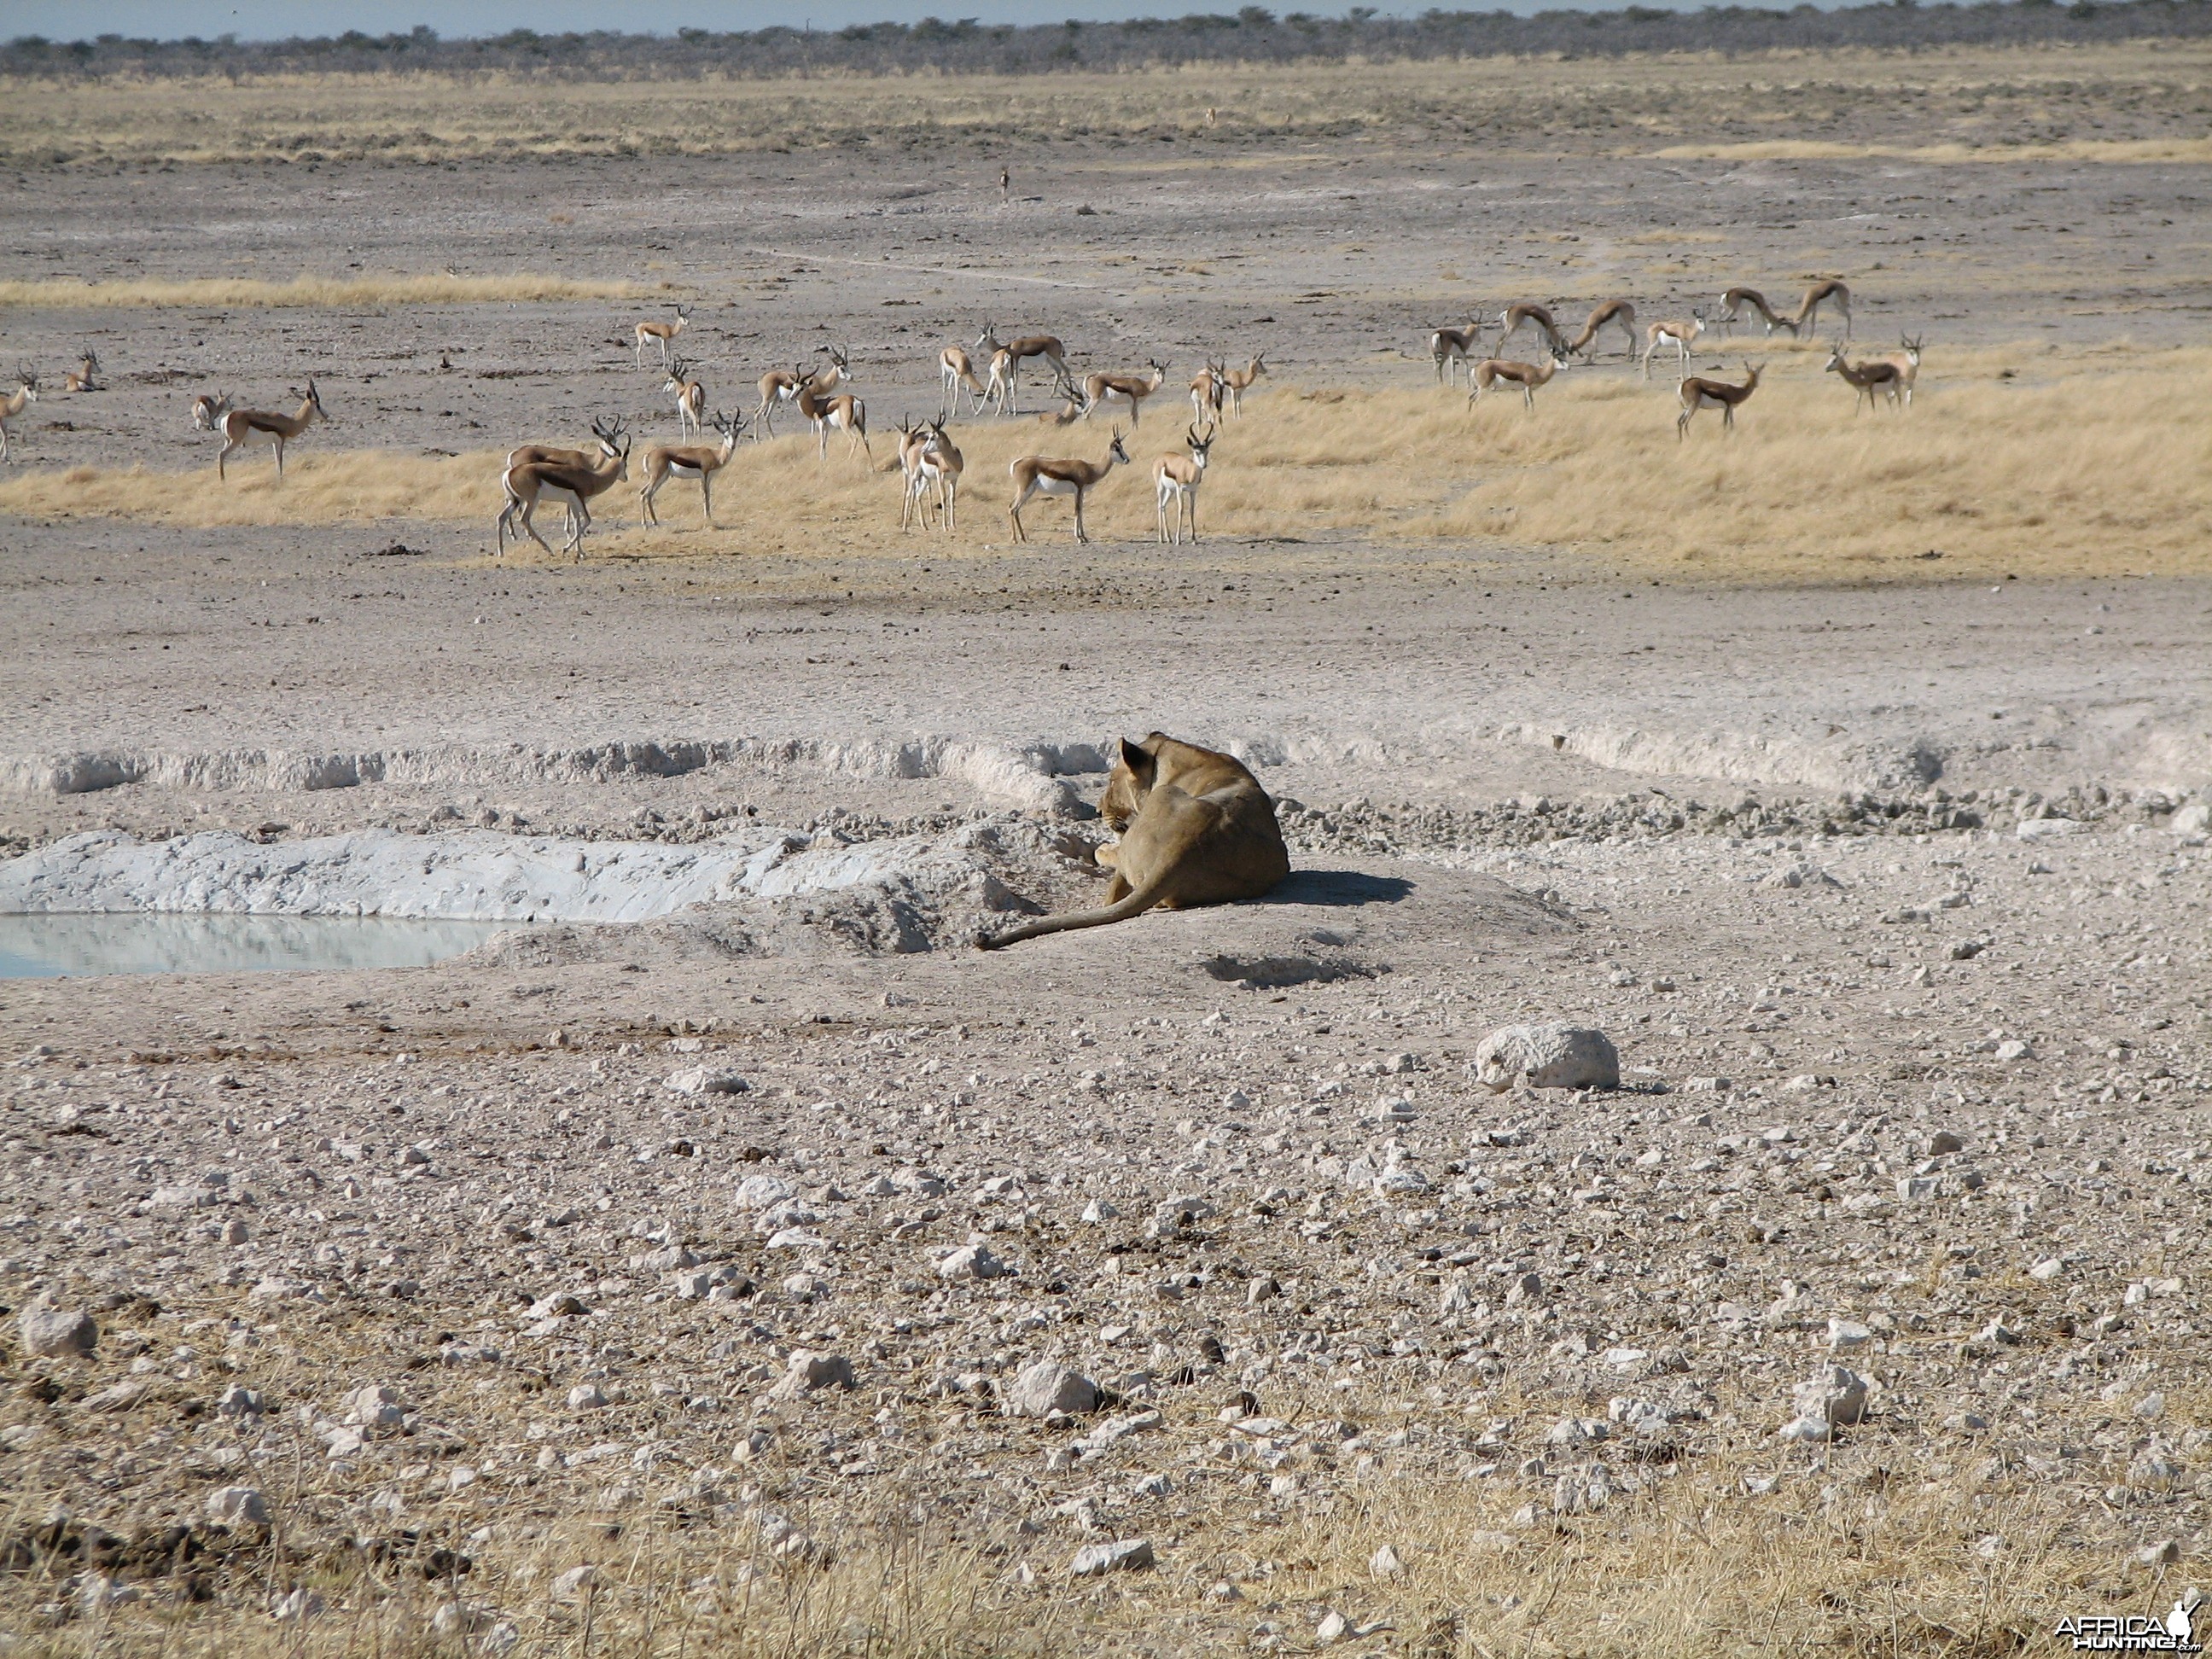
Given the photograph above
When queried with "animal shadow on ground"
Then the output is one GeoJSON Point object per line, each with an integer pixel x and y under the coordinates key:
{"type": "Point", "coordinates": [1338, 889]}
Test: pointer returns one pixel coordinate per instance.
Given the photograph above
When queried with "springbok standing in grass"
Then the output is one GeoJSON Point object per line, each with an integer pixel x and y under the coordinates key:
{"type": "Point", "coordinates": [1176, 479]}
{"type": "Point", "coordinates": [777, 387]}
{"type": "Point", "coordinates": [839, 372]}
{"type": "Point", "coordinates": [700, 461]}
{"type": "Point", "coordinates": [209, 409]}
{"type": "Point", "coordinates": [1488, 373]}
{"type": "Point", "coordinates": [25, 394]}
{"type": "Point", "coordinates": [1043, 475]}
{"type": "Point", "coordinates": [1240, 381]}
{"type": "Point", "coordinates": [1679, 335]}
{"type": "Point", "coordinates": [911, 438]}
{"type": "Point", "coordinates": [1130, 389]}
{"type": "Point", "coordinates": [1829, 292]}
{"type": "Point", "coordinates": [1875, 375]}
{"type": "Point", "coordinates": [1207, 388]}
{"type": "Point", "coordinates": [83, 377]}
{"type": "Point", "coordinates": [691, 399]}
{"type": "Point", "coordinates": [1697, 392]}
{"type": "Point", "coordinates": [1907, 360]}
{"type": "Point", "coordinates": [557, 455]}
{"type": "Point", "coordinates": [957, 369]}
{"type": "Point", "coordinates": [941, 467]}
{"type": "Point", "coordinates": [1046, 346]}
{"type": "Point", "coordinates": [661, 334]}
{"type": "Point", "coordinates": [843, 413]}
{"type": "Point", "coordinates": [570, 486]}
{"type": "Point", "coordinates": [1733, 302]}
{"type": "Point", "coordinates": [1452, 349]}
{"type": "Point", "coordinates": [242, 426]}
{"type": "Point", "coordinates": [1607, 313]}
{"type": "Point", "coordinates": [1510, 323]}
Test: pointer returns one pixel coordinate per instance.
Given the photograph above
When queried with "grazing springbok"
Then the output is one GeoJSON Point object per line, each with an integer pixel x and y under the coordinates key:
{"type": "Point", "coordinates": [570, 487]}
{"type": "Point", "coordinates": [843, 413]}
{"type": "Point", "coordinates": [700, 461]}
{"type": "Point", "coordinates": [1607, 313]}
{"type": "Point", "coordinates": [242, 426]}
{"type": "Point", "coordinates": [691, 399]}
{"type": "Point", "coordinates": [1508, 325]}
{"type": "Point", "coordinates": [1733, 302]}
{"type": "Point", "coordinates": [957, 369]}
{"type": "Point", "coordinates": [208, 409]}
{"type": "Point", "coordinates": [1679, 335]}
{"type": "Point", "coordinates": [1130, 389]}
{"type": "Point", "coordinates": [661, 334]}
{"type": "Point", "coordinates": [1043, 475]}
{"type": "Point", "coordinates": [1176, 479]}
{"type": "Point", "coordinates": [1240, 381]}
{"type": "Point", "coordinates": [25, 394]}
{"type": "Point", "coordinates": [1527, 376]}
{"type": "Point", "coordinates": [1453, 349]}
{"type": "Point", "coordinates": [1866, 379]}
{"type": "Point", "coordinates": [1697, 392]}
{"type": "Point", "coordinates": [83, 377]}
{"type": "Point", "coordinates": [1830, 292]}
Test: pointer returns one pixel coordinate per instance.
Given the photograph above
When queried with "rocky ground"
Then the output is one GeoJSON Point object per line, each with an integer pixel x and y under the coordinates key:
{"type": "Point", "coordinates": [782, 1274]}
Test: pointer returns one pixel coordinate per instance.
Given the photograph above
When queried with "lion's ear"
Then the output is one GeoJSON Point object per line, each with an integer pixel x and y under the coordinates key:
{"type": "Point", "coordinates": [1134, 757]}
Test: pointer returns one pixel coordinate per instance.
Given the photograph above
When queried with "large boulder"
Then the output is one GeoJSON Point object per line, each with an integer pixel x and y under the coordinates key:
{"type": "Point", "coordinates": [1048, 1387]}
{"type": "Point", "coordinates": [1556, 1056]}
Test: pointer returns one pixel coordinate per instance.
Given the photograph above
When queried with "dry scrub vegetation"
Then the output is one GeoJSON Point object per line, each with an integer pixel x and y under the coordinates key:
{"type": "Point", "coordinates": [335, 293]}
{"type": "Point", "coordinates": [1851, 1550]}
{"type": "Point", "coordinates": [1985, 103]}
{"type": "Point", "coordinates": [2021, 460]}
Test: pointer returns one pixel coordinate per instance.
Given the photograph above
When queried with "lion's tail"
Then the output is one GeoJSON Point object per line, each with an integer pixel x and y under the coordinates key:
{"type": "Point", "coordinates": [1140, 900]}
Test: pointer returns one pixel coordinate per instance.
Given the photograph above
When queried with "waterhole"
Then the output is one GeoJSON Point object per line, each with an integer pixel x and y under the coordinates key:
{"type": "Point", "coordinates": [54, 944]}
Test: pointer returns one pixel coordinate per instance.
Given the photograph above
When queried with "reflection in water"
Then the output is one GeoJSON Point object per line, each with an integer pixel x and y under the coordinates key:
{"type": "Point", "coordinates": [49, 945]}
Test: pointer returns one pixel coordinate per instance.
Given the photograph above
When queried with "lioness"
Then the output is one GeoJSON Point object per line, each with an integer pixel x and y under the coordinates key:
{"type": "Point", "coordinates": [1196, 828]}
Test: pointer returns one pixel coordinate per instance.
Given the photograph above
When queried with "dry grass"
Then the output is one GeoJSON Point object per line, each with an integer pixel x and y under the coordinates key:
{"type": "Point", "coordinates": [1981, 102]}
{"type": "Point", "coordinates": [2023, 460]}
{"type": "Point", "coordinates": [333, 292]}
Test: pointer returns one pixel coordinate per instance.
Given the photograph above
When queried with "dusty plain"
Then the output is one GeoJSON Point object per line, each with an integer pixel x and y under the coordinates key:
{"type": "Point", "coordinates": [1724, 747]}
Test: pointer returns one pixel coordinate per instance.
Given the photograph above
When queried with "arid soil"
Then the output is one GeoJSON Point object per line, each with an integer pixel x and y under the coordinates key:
{"type": "Point", "coordinates": [714, 1253]}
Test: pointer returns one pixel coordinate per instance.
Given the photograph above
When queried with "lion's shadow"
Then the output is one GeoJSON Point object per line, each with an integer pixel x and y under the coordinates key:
{"type": "Point", "coordinates": [1338, 889]}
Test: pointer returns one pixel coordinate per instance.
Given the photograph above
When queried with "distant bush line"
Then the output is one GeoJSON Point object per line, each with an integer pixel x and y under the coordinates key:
{"type": "Point", "coordinates": [1252, 34]}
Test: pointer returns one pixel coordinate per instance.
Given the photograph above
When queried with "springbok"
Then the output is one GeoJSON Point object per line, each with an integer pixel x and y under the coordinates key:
{"type": "Point", "coordinates": [1677, 335]}
{"type": "Point", "coordinates": [570, 486]}
{"type": "Point", "coordinates": [691, 398]}
{"type": "Point", "coordinates": [1508, 325]}
{"type": "Point", "coordinates": [1239, 381]}
{"type": "Point", "coordinates": [1527, 376]}
{"type": "Point", "coordinates": [1875, 375]}
{"type": "Point", "coordinates": [1732, 306]}
{"type": "Point", "coordinates": [661, 334]}
{"type": "Point", "coordinates": [957, 368]}
{"type": "Point", "coordinates": [25, 394]}
{"type": "Point", "coordinates": [1046, 346]}
{"type": "Point", "coordinates": [1130, 389]}
{"type": "Point", "coordinates": [556, 455]}
{"type": "Point", "coordinates": [1829, 292]}
{"type": "Point", "coordinates": [1607, 313]}
{"type": "Point", "coordinates": [1176, 479]}
{"type": "Point", "coordinates": [942, 465]}
{"type": "Point", "coordinates": [82, 377]}
{"type": "Point", "coordinates": [1697, 392]}
{"type": "Point", "coordinates": [1452, 348]}
{"type": "Point", "coordinates": [1907, 360]}
{"type": "Point", "coordinates": [1207, 388]}
{"type": "Point", "coordinates": [208, 409]}
{"type": "Point", "coordinates": [1042, 475]}
{"type": "Point", "coordinates": [844, 413]}
{"type": "Point", "coordinates": [702, 461]}
{"type": "Point", "coordinates": [242, 426]}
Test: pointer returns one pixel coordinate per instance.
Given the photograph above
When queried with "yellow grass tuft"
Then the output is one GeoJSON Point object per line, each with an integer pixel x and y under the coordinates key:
{"type": "Point", "coordinates": [388, 288]}
{"type": "Point", "coordinates": [2019, 461]}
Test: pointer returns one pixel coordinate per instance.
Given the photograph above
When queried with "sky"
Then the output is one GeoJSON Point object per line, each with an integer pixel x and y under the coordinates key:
{"type": "Point", "coordinates": [256, 20]}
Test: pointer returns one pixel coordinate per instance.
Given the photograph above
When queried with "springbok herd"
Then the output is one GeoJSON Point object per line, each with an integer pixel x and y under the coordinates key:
{"type": "Point", "coordinates": [929, 462]}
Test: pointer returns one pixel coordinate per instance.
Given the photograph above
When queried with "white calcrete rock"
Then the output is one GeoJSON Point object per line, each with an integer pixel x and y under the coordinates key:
{"type": "Point", "coordinates": [809, 1371]}
{"type": "Point", "coordinates": [1556, 1056]}
{"type": "Point", "coordinates": [50, 1332]}
{"type": "Point", "coordinates": [1048, 1387]}
{"type": "Point", "coordinates": [373, 1406]}
{"type": "Point", "coordinates": [1836, 1395]}
{"type": "Point", "coordinates": [237, 1506]}
{"type": "Point", "coordinates": [1124, 1555]}
{"type": "Point", "coordinates": [972, 1261]}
